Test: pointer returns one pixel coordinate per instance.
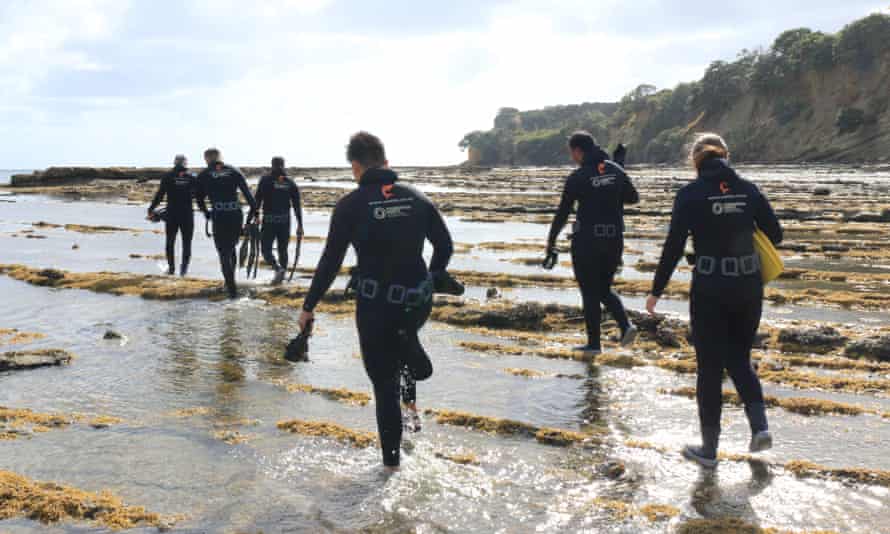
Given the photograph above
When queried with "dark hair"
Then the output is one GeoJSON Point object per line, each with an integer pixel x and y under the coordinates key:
{"type": "Point", "coordinates": [584, 140]}
{"type": "Point", "coordinates": [212, 153]}
{"type": "Point", "coordinates": [278, 162]}
{"type": "Point", "coordinates": [366, 150]}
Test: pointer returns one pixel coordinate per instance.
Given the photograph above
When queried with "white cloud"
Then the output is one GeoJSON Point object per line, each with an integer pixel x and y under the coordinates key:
{"type": "Point", "coordinates": [300, 90]}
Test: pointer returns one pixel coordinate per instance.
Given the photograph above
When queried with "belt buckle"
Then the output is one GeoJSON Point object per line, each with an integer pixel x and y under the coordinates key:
{"type": "Point", "coordinates": [369, 288]}
{"type": "Point", "coordinates": [414, 297]}
{"type": "Point", "coordinates": [599, 230]}
{"type": "Point", "coordinates": [729, 266]}
{"type": "Point", "coordinates": [393, 289]}
{"type": "Point", "coordinates": [749, 264]}
{"type": "Point", "coordinates": [705, 265]}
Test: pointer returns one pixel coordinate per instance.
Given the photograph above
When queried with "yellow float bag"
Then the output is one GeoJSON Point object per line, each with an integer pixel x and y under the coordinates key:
{"type": "Point", "coordinates": [771, 265]}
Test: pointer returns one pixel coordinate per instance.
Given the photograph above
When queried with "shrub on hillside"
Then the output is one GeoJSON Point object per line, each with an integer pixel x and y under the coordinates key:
{"type": "Point", "coordinates": [862, 42]}
{"type": "Point", "coordinates": [849, 120]}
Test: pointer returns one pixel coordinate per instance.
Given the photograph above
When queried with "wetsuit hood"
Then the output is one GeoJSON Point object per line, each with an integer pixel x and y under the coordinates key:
{"type": "Point", "coordinates": [597, 156]}
{"type": "Point", "coordinates": [716, 169]}
{"type": "Point", "coordinates": [378, 176]}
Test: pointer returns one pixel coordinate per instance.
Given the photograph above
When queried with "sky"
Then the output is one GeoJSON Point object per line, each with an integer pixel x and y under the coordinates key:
{"type": "Point", "coordinates": [133, 82]}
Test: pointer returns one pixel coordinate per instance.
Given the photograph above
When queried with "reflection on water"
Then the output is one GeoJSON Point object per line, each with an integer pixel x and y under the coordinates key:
{"type": "Point", "coordinates": [730, 500]}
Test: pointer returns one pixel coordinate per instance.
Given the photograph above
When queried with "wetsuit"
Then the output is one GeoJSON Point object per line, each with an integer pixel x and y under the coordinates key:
{"type": "Point", "coordinates": [600, 188]}
{"type": "Point", "coordinates": [221, 184]}
{"type": "Point", "coordinates": [178, 186]}
{"type": "Point", "coordinates": [387, 223]}
{"type": "Point", "coordinates": [721, 211]}
{"type": "Point", "coordinates": [276, 194]}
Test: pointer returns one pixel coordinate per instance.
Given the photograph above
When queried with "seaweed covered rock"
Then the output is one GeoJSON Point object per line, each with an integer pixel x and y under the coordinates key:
{"type": "Point", "coordinates": [818, 340]}
{"type": "Point", "coordinates": [48, 503]}
{"type": "Point", "coordinates": [667, 332]}
{"type": "Point", "coordinates": [29, 359]}
{"type": "Point", "coordinates": [874, 348]}
{"type": "Point", "coordinates": [70, 175]}
{"type": "Point", "coordinates": [528, 316]}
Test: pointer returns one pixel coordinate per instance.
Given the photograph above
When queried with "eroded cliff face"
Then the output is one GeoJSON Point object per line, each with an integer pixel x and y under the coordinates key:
{"type": "Point", "coordinates": [794, 102]}
{"type": "Point", "coordinates": [813, 134]}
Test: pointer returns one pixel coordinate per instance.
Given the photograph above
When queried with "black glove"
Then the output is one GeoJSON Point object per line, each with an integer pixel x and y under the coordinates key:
{"type": "Point", "coordinates": [551, 259]}
{"type": "Point", "coordinates": [298, 348]}
{"type": "Point", "coordinates": [620, 154]}
{"type": "Point", "coordinates": [444, 283]}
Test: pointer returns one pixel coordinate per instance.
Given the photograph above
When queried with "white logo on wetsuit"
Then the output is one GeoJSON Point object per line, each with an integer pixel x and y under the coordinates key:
{"type": "Point", "coordinates": [285, 185]}
{"type": "Point", "coordinates": [602, 181]}
{"type": "Point", "coordinates": [728, 208]}
{"type": "Point", "coordinates": [392, 209]}
{"type": "Point", "coordinates": [183, 181]}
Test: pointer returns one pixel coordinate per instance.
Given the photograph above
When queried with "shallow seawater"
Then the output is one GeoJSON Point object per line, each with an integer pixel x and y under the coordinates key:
{"type": "Point", "coordinates": [185, 370]}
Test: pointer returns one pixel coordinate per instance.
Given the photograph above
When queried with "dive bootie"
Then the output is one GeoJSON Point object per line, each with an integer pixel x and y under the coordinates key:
{"type": "Point", "coordinates": [279, 276]}
{"type": "Point", "coordinates": [171, 270]}
{"type": "Point", "coordinates": [761, 439]}
{"type": "Point", "coordinates": [706, 454]}
{"type": "Point", "coordinates": [416, 358]}
{"type": "Point", "coordinates": [630, 335]}
{"type": "Point", "coordinates": [588, 350]}
{"type": "Point", "coordinates": [184, 269]}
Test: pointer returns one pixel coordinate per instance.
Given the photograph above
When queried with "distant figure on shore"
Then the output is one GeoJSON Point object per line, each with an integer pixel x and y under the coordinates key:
{"type": "Point", "coordinates": [276, 194]}
{"type": "Point", "coordinates": [179, 187]}
{"type": "Point", "coordinates": [721, 211]}
{"type": "Point", "coordinates": [600, 188]}
{"type": "Point", "coordinates": [388, 224]}
{"type": "Point", "coordinates": [221, 183]}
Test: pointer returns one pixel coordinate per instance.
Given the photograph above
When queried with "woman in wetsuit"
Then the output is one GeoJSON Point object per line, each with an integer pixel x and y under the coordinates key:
{"type": "Point", "coordinates": [721, 210]}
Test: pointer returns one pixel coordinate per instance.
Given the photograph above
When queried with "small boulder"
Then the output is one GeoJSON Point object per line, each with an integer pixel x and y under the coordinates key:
{"type": "Point", "coordinates": [613, 469]}
{"type": "Point", "coordinates": [492, 293]}
{"type": "Point", "coordinates": [14, 361]}
{"type": "Point", "coordinates": [819, 340]}
{"type": "Point", "coordinates": [875, 348]}
{"type": "Point", "coordinates": [821, 191]}
{"type": "Point", "coordinates": [111, 334]}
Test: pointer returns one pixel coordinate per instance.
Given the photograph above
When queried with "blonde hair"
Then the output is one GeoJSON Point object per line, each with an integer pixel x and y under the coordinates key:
{"type": "Point", "coordinates": [708, 146]}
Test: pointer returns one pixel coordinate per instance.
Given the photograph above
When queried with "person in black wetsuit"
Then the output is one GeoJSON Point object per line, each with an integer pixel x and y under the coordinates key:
{"type": "Point", "coordinates": [178, 186]}
{"type": "Point", "coordinates": [600, 188]}
{"type": "Point", "coordinates": [276, 194]}
{"type": "Point", "coordinates": [221, 182]}
{"type": "Point", "coordinates": [387, 223]}
{"type": "Point", "coordinates": [721, 211]}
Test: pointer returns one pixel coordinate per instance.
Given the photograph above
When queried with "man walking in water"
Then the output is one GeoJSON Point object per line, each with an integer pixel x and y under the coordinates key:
{"type": "Point", "coordinates": [178, 186]}
{"type": "Point", "coordinates": [276, 194]}
{"type": "Point", "coordinates": [387, 223]}
{"type": "Point", "coordinates": [600, 188]}
{"type": "Point", "coordinates": [221, 183]}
